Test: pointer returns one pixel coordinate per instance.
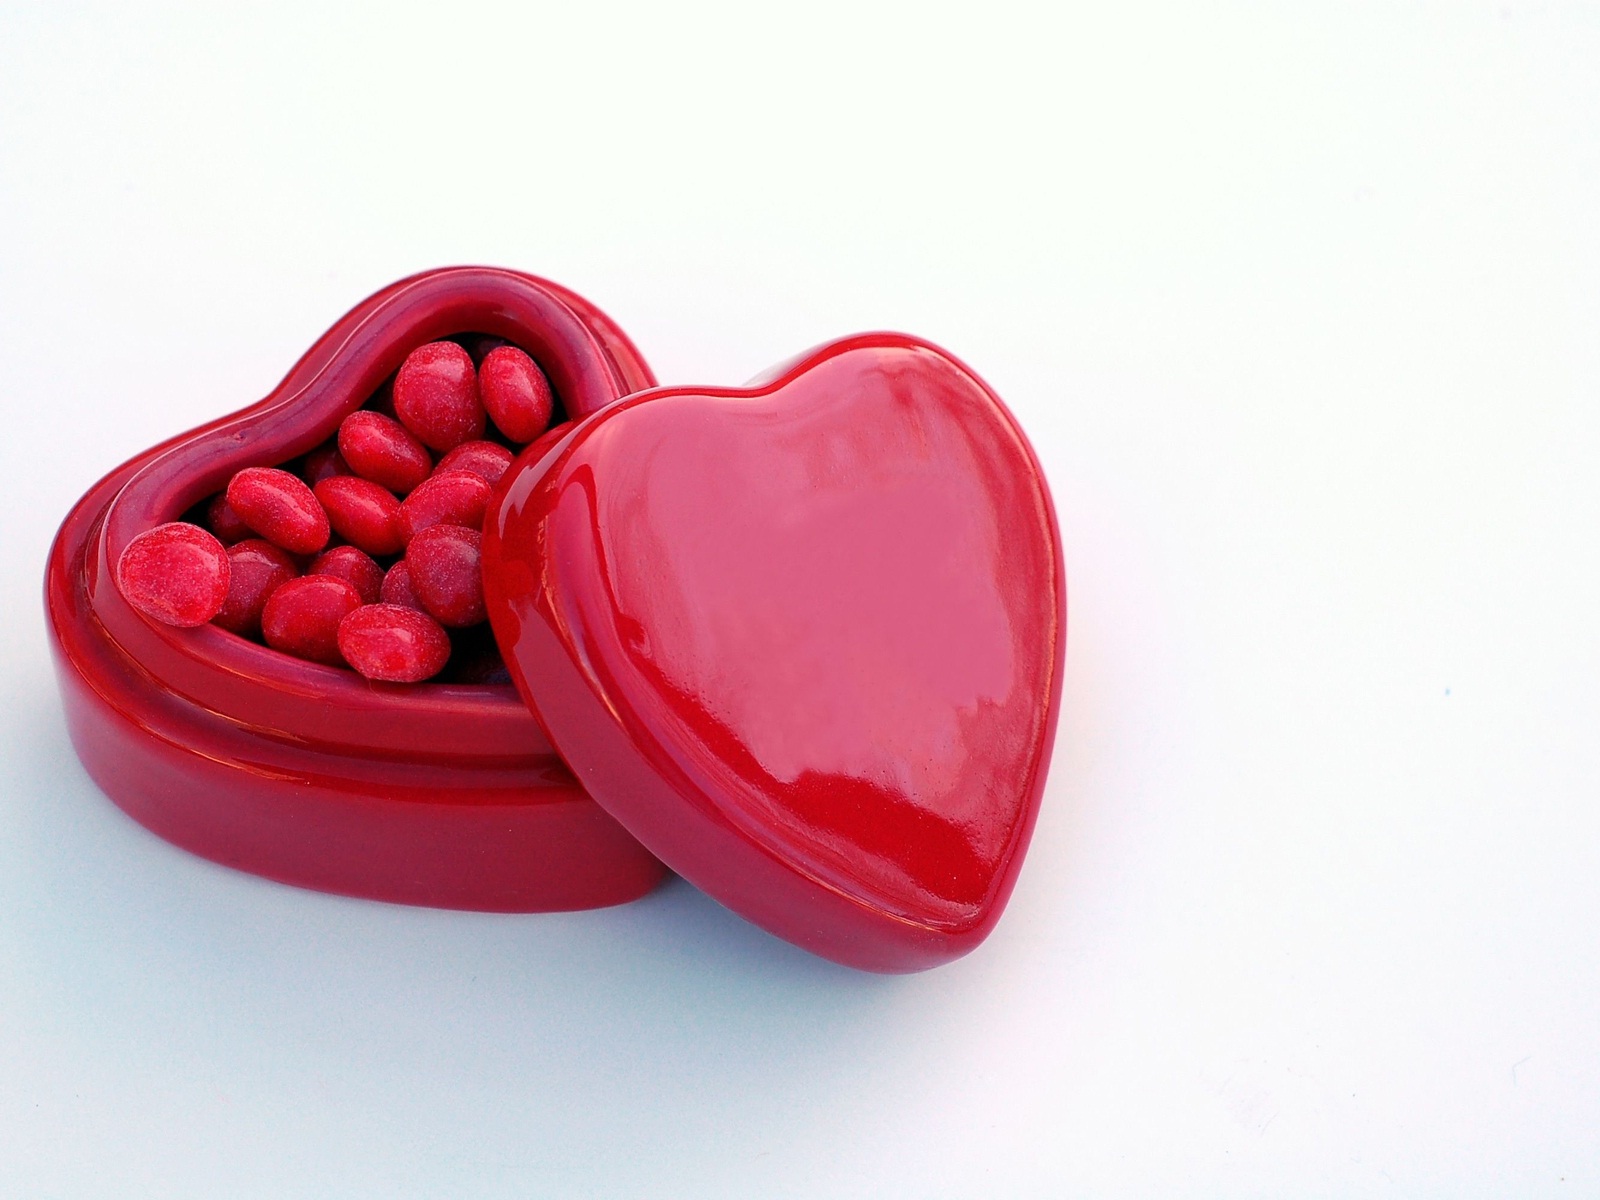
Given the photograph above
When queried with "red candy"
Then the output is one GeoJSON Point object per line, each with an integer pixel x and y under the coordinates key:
{"type": "Point", "coordinates": [381, 449]}
{"type": "Point", "coordinates": [397, 587]}
{"type": "Point", "coordinates": [425, 614]}
{"type": "Point", "coordinates": [302, 617]}
{"type": "Point", "coordinates": [353, 566]}
{"type": "Point", "coordinates": [445, 563]}
{"type": "Point", "coordinates": [394, 644]}
{"type": "Point", "coordinates": [516, 393]}
{"type": "Point", "coordinates": [364, 514]}
{"type": "Point", "coordinates": [488, 459]}
{"type": "Point", "coordinates": [446, 498]}
{"type": "Point", "coordinates": [436, 396]}
{"type": "Point", "coordinates": [323, 463]}
{"type": "Point", "coordinates": [224, 522]}
{"type": "Point", "coordinates": [176, 573]}
{"type": "Point", "coordinates": [280, 508]}
{"type": "Point", "coordinates": [257, 569]}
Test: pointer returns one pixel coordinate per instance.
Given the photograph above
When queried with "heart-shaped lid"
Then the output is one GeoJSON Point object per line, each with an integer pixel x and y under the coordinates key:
{"type": "Point", "coordinates": [804, 639]}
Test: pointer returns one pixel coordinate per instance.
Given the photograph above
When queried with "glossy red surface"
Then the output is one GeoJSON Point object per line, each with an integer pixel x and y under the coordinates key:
{"type": "Point", "coordinates": [433, 794]}
{"type": "Point", "coordinates": [803, 639]}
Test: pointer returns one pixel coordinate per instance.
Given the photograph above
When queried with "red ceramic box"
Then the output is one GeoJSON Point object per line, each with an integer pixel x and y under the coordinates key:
{"type": "Point", "coordinates": [430, 794]}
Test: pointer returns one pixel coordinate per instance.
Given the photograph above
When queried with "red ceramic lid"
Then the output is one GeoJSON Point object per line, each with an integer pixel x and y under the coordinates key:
{"type": "Point", "coordinates": [802, 639]}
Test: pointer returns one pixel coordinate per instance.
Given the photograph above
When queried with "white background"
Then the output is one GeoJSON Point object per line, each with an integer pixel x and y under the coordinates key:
{"type": "Point", "coordinates": [1301, 308]}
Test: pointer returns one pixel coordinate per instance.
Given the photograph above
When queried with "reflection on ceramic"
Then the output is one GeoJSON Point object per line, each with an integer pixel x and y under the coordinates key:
{"type": "Point", "coordinates": [424, 794]}
{"type": "Point", "coordinates": [804, 639]}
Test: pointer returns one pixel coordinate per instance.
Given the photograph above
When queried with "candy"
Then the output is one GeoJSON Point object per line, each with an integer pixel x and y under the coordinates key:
{"type": "Point", "coordinates": [302, 617]}
{"type": "Point", "coordinates": [436, 396]}
{"type": "Point", "coordinates": [352, 565]}
{"type": "Point", "coordinates": [446, 498]}
{"type": "Point", "coordinates": [364, 514]}
{"type": "Point", "coordinates": [176, 573]}
{"type": "Point", "coordinates": [224, 522]}
{"type": "Point", "coordinates": [515, 393]}
{"type": "Point", "coordinates": [323, 463]}
{"type": "Point", "coordinates": [381, 449]}
{"type": "Point", "coordinates": [257, 568]}
{"type": "Point", "coordinates": [488, 459]}
{"type": "Point", "coordinates": [394, 644]}
{"type": "Point", "coordinates": [397, 588]}
{"type": "Point", "coordinates": [383, 399]}
{"type": "Point", "coordinates": [445, 563]}
{"type": "Point", "coordinates": [280, 508]}
{"type": "Point", "coordinates": [375, 486]}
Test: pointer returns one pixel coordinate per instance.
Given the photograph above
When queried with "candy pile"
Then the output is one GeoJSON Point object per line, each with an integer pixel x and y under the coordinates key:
{"type": "Point", "coordinates": [369, 555]}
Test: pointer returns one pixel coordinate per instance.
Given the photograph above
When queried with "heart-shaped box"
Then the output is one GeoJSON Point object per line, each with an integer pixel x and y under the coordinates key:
{"type": "Point", "coordinates": [803, 640]}
{"type": "Point", "coordinates": [430, 794]}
